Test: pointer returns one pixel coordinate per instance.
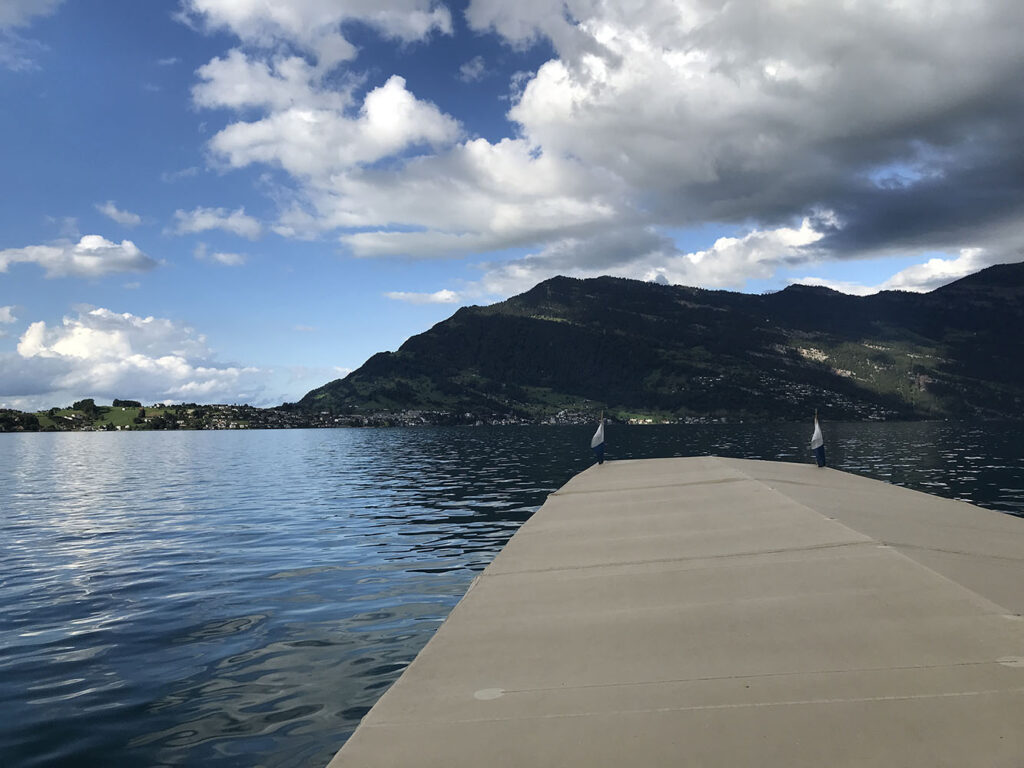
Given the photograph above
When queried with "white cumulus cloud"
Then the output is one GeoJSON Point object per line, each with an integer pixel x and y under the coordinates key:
{"type": "Point", "coordinates": [111, 211]}
{"type": "Point", "coordinates": [105, 354]}
{"type": "Point", "coordinates": [436, 194]}
{"type": "Point", "coordinates": [7, 315]}
{"type": "Point", "coordinates": [938, 271]}
{"type": "Point", "coordinates": [313, 142]}
{"type": "Point", "coordinates": [476, 197]}
{"type": "Point", "coordinates": [203, 219]}
{"type": "Point", "coordinates": [238, 81]}
{"type": "Point", "coordinates": [919, 278]}
{"type": "Point", "coordinates": [649, 117]}
{"type": "Point", "coordinates": [92, 256]}
{"type": "Point", "coordinates": [316, 25]}
{"type": "Point", "coordinates": [640, 254]}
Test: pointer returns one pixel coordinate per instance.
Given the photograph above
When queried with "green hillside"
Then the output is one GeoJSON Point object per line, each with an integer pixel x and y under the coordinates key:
{"type": "Point", "coordinates": [644, 349]}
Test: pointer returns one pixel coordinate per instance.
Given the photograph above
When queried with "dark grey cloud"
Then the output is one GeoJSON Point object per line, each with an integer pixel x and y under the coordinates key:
{"type": "Point", "coordinates": [965, 207]}
{"type": "Point", "coordinates": [820, 130]}
{"type": "Point", "coordinates": [757, 114]}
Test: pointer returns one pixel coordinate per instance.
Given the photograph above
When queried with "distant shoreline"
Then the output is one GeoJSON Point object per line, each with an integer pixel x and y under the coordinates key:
{"type": "Point", "coordinates": [192, 417]}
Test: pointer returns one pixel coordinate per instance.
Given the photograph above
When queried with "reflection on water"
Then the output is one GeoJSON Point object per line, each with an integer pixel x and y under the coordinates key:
{"type": "Point", "coordinates": [242, 599]}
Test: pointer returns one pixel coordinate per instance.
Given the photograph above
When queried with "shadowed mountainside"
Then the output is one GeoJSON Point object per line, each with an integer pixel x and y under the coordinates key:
{"type": "Point", "coordinates": [644, 349]}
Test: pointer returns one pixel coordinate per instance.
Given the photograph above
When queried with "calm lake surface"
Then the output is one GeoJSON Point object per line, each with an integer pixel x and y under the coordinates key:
{"type": "Point", "coordinates": [243, 598]}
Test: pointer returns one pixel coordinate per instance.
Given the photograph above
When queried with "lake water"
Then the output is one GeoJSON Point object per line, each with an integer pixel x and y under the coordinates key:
{"type": "Point", "coordinates": [242, 598]}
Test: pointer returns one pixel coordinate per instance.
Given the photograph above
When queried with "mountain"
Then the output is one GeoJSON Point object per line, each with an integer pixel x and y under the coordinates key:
{"type": "Point", "coordinates": [649, 350]}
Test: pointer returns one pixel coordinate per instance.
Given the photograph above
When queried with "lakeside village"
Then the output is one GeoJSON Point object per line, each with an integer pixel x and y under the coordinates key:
{"type": "Point", "coordinates": [131, 415]}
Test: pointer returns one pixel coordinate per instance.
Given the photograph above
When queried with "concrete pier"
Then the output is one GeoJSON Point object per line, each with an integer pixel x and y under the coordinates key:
{"type": "Point", "coordinates": [723, 612]}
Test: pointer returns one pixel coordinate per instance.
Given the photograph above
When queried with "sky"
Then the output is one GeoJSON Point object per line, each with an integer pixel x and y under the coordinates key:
{"type": "Point", "coordinates": [236, 201]}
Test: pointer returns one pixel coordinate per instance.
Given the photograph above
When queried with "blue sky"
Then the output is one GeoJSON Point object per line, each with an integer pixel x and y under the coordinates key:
{"type": "Point", "coordinates": [237, 201]}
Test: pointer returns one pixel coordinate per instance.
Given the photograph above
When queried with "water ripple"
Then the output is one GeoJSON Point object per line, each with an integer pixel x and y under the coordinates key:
{"type": "Point", "coordinates": [242, 599]}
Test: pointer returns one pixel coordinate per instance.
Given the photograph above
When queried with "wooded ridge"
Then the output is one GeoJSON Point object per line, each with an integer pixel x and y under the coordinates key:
{"type": "Point", "coordinates": [645, 350]}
